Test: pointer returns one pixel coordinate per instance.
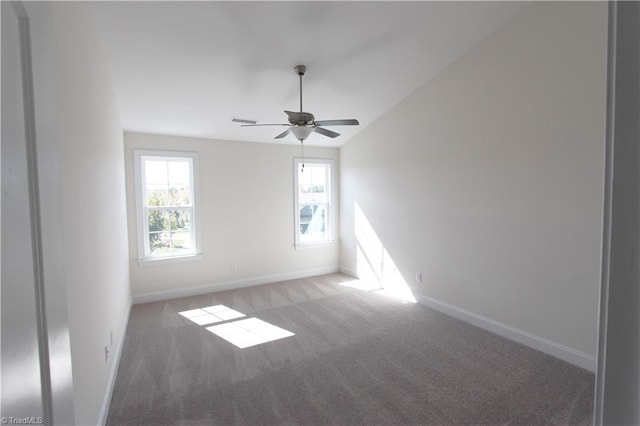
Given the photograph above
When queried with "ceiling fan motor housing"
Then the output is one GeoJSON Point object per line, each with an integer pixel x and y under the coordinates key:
{"type": "Point", "coordinates": [301, 118]}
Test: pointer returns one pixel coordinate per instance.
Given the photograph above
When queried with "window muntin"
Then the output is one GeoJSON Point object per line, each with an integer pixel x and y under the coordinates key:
{"type": "Point", "coordinates": [313, 202]}
{"type": "Point", "coordinates": [166, 207]}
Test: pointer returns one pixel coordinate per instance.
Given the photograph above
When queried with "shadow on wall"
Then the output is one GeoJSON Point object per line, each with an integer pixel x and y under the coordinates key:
{"type": "Point", "coordinates": [374, 265]}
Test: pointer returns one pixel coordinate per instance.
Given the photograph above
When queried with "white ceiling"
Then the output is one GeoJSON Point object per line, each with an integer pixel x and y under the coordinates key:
{"type": "Point", "coordinates": [188, 68]}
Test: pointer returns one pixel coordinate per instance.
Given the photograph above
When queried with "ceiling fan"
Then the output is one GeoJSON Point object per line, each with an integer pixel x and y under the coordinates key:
{"type": "Point", "coordinates": [302, 124]}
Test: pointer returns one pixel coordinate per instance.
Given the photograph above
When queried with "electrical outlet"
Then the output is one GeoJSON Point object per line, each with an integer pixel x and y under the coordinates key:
{"type": "Point", "coordinates": [419, 277]}
{"type": "Point", "coordinates": [106, 353]}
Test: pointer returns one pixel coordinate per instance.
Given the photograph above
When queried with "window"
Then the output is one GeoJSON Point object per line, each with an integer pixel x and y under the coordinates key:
{"type": "Point", "coordinates": [313, 207]}
{"type": "Point", "coordinates": [166, 205]}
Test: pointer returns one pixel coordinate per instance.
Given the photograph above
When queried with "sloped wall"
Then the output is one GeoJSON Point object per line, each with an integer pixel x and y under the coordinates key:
{"type": "Point", "coordinates": [489, 179]}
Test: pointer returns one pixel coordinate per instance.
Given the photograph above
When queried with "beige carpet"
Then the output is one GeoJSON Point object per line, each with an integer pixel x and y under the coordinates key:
{"type": "Point", "coordinates": [356, 357]}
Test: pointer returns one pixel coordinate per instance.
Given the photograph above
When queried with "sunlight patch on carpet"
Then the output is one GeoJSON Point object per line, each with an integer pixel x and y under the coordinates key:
{"type": "Point", "coordinates": [211, 314]}
{"type": "Point", "coordinates": [249, 332]}
{"type": "Point", "coordinates": [365, 285]}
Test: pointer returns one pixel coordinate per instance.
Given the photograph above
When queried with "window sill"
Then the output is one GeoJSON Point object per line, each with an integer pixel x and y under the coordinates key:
{"type": "Point", "coordinates": [166, 260]}
{"type": "Point", "coordinates": [304, 246]}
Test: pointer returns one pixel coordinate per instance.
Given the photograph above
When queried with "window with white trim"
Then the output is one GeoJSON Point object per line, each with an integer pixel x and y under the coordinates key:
{"type": "Point", "coordinates": [313, 206]}
{"type": "Point", "coordinates": [166, 204]}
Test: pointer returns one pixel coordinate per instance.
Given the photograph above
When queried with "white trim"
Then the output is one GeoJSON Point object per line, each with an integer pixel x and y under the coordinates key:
{"type": "Point", "coordinates": [609, 165]}
{"type": "Point", "coordinates": [541, 344]}
{"type": "Point", "coordinates": [348, 271]}
{"type": "Point", "coordinates": [152, 261]}
{"type": "Point", "coordinates": [305, 246]}
{"type": "Point", "coordinates": [35, 214]}
{"type": "Point", "coordinates": [230, 285]}
{"type": "Point", "coordinates": [115, 364]}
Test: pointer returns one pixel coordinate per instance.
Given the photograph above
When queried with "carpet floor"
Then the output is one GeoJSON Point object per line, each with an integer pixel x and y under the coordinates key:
{"type": "Point", "coordinates": [356, 358]}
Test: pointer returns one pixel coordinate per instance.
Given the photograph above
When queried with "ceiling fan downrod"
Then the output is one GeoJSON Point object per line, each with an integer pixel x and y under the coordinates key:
{"type": "Point", "coordinates": [300, 70]}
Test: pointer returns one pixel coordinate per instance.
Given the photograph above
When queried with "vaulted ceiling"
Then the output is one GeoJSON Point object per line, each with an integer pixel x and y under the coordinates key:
{"type": "Point", "coordinates": [188, 68]}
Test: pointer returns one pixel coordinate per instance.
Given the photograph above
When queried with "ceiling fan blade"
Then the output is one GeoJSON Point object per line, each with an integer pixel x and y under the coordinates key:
{"type": "Point", "coordinates": [346, 122]}
{"type": "Point", "coordinates": [282, 135]}
{"type": "Point", "coordinates": [243, 120]}
{"type": "Point", "coordinates": [327, 132]}
{"type": "Point", "coordinates": [268, 124]}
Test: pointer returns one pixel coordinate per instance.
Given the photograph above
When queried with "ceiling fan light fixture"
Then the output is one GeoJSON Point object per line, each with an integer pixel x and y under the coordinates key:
{"type": "Point", "coordinates": [301, 132]}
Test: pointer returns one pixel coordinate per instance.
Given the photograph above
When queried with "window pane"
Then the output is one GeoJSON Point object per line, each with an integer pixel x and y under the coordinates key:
{"type": "Point", "coordinates": [312, 184]}
{"type": "Point", "coordinates": [157, 195]}
{"type": "Point", "coordinates": [312, 175]}
{"type": "Point", "coordinates": [319, 175]}
{"type": "Point", "coordinates": [155, 172]}
{"type": "Point", "coordinates": [181, 241]}
{"type": "Point", "coordinates": [313, 222]}
{"type": "Point", "coordinates": [312, 198]}
{"type": "Point", "coordinates": [168, 183]}
{"type": "Point", "coordinates": [304, 174]}
{"type": "Point", "coordinates": [312, 189]}
{"type": "Point", "coordinates": [181, 237]}
{"type": "Point", "coordinates": [179, 195]}
{"type": "Point", "coordinates": [170, 232]}
{"type": "Point", "coordinates": [179, 174]}
{"type": "Point", "coordinates": [158, 221]}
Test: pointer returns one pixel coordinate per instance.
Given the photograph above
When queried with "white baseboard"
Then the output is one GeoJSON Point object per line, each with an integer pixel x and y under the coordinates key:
{"type": "Point", "coordinates": [231, 285]}
{"type": "Point", "coordinates": [348, 271]}
{"type": "Point", "coordinates": [565, 353]}
{"type": "Point", "coordinates": [111, 379]}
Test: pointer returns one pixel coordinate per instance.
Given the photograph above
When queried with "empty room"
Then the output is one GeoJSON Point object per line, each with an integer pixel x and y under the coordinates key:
{"type": "Point", "coordinates": [317, 212]}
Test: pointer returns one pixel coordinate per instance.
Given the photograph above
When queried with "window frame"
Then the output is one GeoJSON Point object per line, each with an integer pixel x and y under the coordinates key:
{"type": "Point", "coordinates": [331, 204]}
{"type": "Point", "coordinates": [142, 232]}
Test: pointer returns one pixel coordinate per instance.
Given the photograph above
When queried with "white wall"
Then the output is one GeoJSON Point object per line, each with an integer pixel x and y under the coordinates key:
{"type": "Point", "coordinates": [489, 179]}
{"type": "Point", "coordinates": [93, 206]}
{"type": "Point", "coordinates": [246, 208]}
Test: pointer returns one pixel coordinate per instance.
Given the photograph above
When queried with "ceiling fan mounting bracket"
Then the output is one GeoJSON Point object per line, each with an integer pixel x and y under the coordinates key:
{"type": "Point", "coordinates": [300, 69]}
